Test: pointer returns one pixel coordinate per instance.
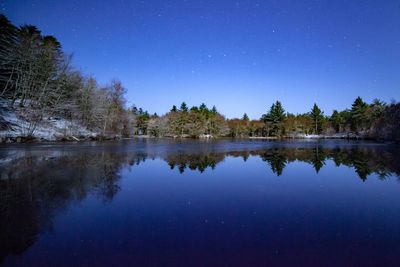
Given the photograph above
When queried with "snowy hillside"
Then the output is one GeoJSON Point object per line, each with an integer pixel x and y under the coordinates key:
{"type": "Point", "coordinates": [13, 125]}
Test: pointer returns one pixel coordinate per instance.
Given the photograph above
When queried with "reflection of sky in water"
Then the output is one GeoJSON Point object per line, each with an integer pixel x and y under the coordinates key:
{"type": "Point", "coordinates": [239, 213]}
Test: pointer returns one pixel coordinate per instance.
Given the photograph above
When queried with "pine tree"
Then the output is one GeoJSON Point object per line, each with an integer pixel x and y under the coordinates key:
{"type": "Point", "coordinates": [203, 107]}
{"type": "Point", "coordinates": [358, 114]}
{"type": "Point", "coordinates": [317, 118]}
{"type": "Point", "coordinates": [275, 118]}
{"type": "Point", "coordinates": [337, 121]}
{"type": "Point", "coordinates": [245, 117]}
{"type": "Point", "coordinates": [184, 107]}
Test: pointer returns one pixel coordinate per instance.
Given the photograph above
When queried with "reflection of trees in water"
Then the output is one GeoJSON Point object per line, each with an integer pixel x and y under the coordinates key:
{"type": "Point", "coordinates": [34, 189]}
{"type": "Point", "coordinates": [194, 162]}
{"type": "Point", "coordinates": [364, 160]}
{"type": "Point", "coordinates": [276, 159]}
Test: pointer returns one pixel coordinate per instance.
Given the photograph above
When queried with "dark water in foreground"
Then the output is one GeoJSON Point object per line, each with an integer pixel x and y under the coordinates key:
{"type": "Point", "coordinates": [199, 203]}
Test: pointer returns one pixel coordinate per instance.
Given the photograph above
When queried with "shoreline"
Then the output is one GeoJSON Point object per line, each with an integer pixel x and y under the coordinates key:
{"type": "Point", "coordinates": [74, 139]}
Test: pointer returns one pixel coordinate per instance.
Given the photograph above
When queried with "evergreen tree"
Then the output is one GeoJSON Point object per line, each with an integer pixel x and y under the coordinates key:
{"type": "Point", "coordinates": [203, 108]}
{"type": "Point", "coordinates": [358, 114]}
{"type": "Point", "coordinates": [245, 117]}
{"type": "Point", "coordinates": [194, 109]}
{"type": "Point", "coordinates": [377, 108]}
{"type": "Point", "coordinates": [317, 118]}
{"type": "Point", "coordinates": [174, 109]}
{"type": "Point", "coordinates": [275, 118]}
{"type": "Point", "coordinates": [184, 107]}
{"type": "Point", "coordinates": [337, 121]}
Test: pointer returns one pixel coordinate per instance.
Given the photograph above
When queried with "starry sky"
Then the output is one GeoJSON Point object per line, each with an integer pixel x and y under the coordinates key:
{"type": "Point", "coordinates": [238, 55]}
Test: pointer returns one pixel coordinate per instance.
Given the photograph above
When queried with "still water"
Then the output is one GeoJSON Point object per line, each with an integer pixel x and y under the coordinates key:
{"type": "Point", "coordinates": [200, 203]}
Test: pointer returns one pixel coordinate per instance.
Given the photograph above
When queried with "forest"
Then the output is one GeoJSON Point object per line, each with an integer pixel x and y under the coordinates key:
{"type": "Point", "coordinates": [39, 83]}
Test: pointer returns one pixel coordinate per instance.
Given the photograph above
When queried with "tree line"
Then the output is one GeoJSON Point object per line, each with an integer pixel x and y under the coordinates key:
{"type": "Point", "coordinates": [37, 81]}
{"type": "Point", "coordinates": [376, 120]}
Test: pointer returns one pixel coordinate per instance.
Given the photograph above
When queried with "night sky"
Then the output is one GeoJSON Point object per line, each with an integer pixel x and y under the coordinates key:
{"type": "Point", "coordinates": [238, 55]}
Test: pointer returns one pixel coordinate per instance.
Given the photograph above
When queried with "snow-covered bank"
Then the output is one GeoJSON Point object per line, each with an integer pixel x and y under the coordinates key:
{"type": "Point", "coordinates": [349, 135]}
{"type": "Point", "coordinates": [14, 128]}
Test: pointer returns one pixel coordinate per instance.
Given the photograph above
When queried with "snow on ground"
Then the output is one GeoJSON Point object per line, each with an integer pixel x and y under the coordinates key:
{"type": "Point", "coordinates": [311, 136]}
{"type": "Point", "coordinates": [52, 128]}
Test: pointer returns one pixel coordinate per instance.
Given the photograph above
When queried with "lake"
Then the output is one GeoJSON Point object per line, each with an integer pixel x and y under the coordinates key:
{"type": "Point", "coordinates": [162, 202]}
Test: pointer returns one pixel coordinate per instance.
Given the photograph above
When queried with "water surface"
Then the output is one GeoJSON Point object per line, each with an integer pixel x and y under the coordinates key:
{"type": "Point", "coordinates": [200, 203]}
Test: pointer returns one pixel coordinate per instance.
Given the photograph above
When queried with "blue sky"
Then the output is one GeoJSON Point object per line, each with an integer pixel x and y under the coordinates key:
{"type": "Point", "coordinates": [238, 55]}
